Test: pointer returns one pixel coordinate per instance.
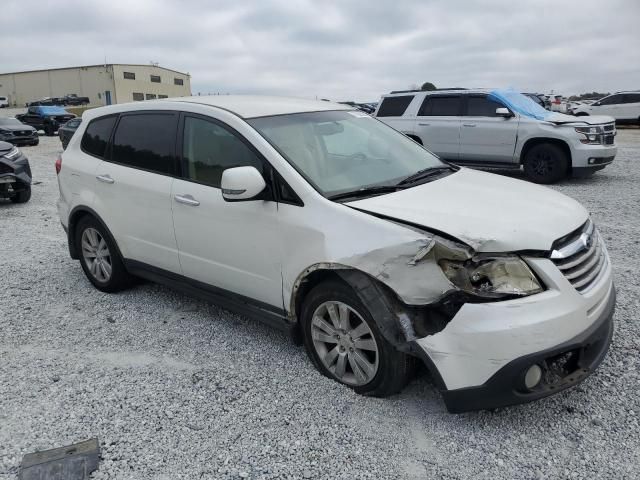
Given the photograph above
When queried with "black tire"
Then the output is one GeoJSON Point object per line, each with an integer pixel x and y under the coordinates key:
{"type": "Point", "coordinates": [22, 197]}
{"type": "Point", "coordinates": [546, 163]}
{"type": "Point", "coordinates": [49, 131]}
{"type": "Point", "coordinates": [393, 367]}
{"type": "Point", "coordinates": [119, 279]}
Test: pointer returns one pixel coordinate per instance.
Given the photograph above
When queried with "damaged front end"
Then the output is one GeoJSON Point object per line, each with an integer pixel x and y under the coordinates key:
{"type": "Point", "coordinates": [414, 289]}
{"type": "Point", "coordinates": [15, 173]}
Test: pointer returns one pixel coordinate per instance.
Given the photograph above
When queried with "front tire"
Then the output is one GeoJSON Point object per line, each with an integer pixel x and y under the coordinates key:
{"type": "Point", "coordinates": [22, 197]}
{"type": "Point", "coordinates": [546, 163]}
{"type": "Point", "coordinates": [99, 257]}
{"type": "Point", "coordinates": [345, 344]}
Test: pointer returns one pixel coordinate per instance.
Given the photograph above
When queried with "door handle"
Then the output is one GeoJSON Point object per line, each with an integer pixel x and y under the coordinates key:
{"type": "Point", "coordinates": [186, 200]}
{"type": "Point", "coordinates": [424, 124]}
{"type": "Point", "coordinates": [468, 124]}
{"type": "Point", "coordinates": [105, 178]}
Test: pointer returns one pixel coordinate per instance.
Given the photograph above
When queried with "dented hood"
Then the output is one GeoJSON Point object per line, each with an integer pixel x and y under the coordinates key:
{"type": "Point", "coordinates": [556, 117]}
{"type": "Point", "coordinates": [490, 213]}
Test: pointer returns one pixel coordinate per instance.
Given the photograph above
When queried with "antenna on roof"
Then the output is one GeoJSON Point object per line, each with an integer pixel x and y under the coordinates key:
{"type": "Point", "coordinates": [155, 64]}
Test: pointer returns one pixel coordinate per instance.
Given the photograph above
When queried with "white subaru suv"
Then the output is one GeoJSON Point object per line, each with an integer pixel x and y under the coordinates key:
{"type": "Point", "coordinates": [325, 222]}
{"type": "Point", "coordinates": [501, 129]}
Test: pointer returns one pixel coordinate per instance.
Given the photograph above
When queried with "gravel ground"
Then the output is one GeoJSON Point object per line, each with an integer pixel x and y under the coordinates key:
{"type": "Point", "coordinates": [178, 388]}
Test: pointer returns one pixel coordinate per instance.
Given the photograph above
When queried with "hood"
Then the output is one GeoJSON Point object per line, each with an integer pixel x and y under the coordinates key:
{"type": "Point", "coordinates": [5, 147]}
{"type": "Point", "coordinates": [556, 117]}
{"type": "Point", "coordinates": [489, 212]}
{"type": "Point", "coordinates": [17, 128]}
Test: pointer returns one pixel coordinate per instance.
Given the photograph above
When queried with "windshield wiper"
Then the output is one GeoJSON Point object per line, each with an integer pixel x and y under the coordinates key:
{"type": "Point", "coordinates": [426, 173]}
{"type": "Point", "coordinates": [365, 192]}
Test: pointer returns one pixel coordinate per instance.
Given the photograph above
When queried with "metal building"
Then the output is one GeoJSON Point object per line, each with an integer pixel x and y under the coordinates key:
{"type": "Point", "coordinates": [103, 84]}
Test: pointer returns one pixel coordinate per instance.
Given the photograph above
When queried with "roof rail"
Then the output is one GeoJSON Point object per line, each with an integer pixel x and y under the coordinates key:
{"type": "Point", "coordinates": [436, 90]}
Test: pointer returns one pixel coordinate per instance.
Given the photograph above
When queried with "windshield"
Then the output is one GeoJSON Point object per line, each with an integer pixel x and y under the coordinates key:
{"type": "Point", "coordinates": [10, 121]}
{"type": "Point", "coordinates": [520, 103]}
{"type": "Point", "coordinates": [343, 151]}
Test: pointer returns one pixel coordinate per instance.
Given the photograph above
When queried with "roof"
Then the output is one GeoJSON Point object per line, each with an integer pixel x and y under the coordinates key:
{"type": "Point", "coordinates": [457, 91]}
{"type": "Point", "coordinates": [251, 106]}
{"type": "Point", "coordinates": [93, 66]}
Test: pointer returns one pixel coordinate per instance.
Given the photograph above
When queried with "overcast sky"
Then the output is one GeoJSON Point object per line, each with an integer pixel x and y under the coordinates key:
{"type": "Point", "coordinates": [349, 49]}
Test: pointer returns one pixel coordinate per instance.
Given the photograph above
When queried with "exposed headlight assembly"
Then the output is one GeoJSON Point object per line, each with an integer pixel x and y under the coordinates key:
{"type": "Point", "coordinates": [11, 154]}
{"type": "Point", "coordinates": [496, 277]}
{"type": "Point", "coordinates": [593, 135]}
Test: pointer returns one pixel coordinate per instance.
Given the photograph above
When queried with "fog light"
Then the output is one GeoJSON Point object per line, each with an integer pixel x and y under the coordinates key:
{"type": "Point", "coordinates": [592, 161]}
{"type": "Point", "coordinates": [533, 376]}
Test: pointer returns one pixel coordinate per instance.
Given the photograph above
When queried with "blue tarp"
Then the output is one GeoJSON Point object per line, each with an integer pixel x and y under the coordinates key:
{"type": "Point", "coordinates": [53, 110]}
{"type": "Point", "coordinates": [520, 103]}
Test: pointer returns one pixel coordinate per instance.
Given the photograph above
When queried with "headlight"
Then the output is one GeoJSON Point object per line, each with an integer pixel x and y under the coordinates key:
{"type": "Point", "coordinates": [13, 153]}
{"type": "Point", "coordinates": [5, 132]}
{"type": "Point", "coordinates": [497, 277]}
{"type": "Point", "coordinates": [593, 135]}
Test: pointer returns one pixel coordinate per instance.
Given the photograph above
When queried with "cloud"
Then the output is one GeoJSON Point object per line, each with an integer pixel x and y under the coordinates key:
{"type": "Point", "coordinates": [342, 50]}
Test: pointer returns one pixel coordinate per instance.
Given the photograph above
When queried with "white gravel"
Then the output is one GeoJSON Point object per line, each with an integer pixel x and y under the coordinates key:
{"type": "Point", "coordinates": [177, 388]}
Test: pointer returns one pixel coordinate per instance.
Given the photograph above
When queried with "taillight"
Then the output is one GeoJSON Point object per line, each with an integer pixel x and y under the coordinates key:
{"type": "Point", "coordinates": [58, 164]}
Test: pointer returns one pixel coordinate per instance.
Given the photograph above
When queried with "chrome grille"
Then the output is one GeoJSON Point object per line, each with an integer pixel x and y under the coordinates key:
{"type": "Point", "coordinates": [581, 257]}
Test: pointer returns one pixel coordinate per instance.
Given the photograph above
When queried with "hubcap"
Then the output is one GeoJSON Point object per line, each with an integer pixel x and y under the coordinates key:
{"type": "Point", "coordinates": [542, 163]}
{"type": "Point", "coordinates": [96, 254]}
{"type": "Point", "coordinates": [345, 343]}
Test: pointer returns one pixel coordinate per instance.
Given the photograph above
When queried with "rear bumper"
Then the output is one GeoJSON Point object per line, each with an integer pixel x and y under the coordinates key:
{"type": "Point", "coordinates": [583, 354]}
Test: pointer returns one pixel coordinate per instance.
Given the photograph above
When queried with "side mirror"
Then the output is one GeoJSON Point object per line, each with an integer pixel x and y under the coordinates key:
{"type": "Point", "coordinates": [503, 112]}
{"type": "Point", "coordinates": [241, 184]}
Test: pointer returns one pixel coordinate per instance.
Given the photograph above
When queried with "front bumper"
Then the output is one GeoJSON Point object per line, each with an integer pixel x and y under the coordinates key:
{"type": "Point", "coordinates": [582, 354]}
{"type": "Point", "coordinates": [592, 156]}
{"type": "Point", "coordinates": [483, 348]}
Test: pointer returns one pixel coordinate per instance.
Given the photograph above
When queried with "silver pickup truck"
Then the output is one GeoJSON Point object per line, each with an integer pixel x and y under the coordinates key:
{"type": "Point", "coordinates": [501, 129]}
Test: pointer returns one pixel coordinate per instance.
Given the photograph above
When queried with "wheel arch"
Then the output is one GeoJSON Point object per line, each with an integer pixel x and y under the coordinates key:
{"type": "Point", "coordinates": [396, 320]}
{"type": "Point", "coordinates": [532, 142]}
{"type": "Point", "coordinates": [77, 214]}
{"type": "Point", "coordinates": [415, 138]}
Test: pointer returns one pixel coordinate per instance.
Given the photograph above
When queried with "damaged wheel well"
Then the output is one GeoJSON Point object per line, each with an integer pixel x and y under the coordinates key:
{"type": "Point", "coordinates": [398, 322]}
{"type": "Point", "coordinates": [74, 218]}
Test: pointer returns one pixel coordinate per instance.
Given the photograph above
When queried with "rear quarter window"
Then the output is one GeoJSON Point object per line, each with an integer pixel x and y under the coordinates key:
{"type": "Point", "coordinates": [96, 136]}
{"type": "Point", "coordinates": [394, 106]}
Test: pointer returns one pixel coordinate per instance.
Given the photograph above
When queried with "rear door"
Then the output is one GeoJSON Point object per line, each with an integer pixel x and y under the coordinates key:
{"type": "Point", "coordinates": [234, 246]}
{"type": "Point", "coordinates": [438, 125]}
{"type": "Point", "coordinates": [631, 107]}
{"type": "Point", "coordinates": [484, 136]}
{"type": "Point", "coordinates": [133, 187]}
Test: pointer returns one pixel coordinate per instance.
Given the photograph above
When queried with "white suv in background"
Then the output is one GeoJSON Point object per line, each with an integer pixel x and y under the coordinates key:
{"type": "Point", "coordinates": [323, 221]}
{"type": "Point", "coordinates": [4, 102]}
{"type": "Point", "coordinates": [623, 106]}
{"type": "Point", "coordinates": [501, 129]}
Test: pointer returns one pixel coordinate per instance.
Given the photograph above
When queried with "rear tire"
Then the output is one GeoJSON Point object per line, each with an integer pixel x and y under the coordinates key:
{"type": "Point", "coordinates": [546, 163]}
{"type": "Point", "coordinates": [22, 197]}
{"type": "Point", "coordinates": [345, 344]}
{"type": "Point", "coordinates": [99, 256]}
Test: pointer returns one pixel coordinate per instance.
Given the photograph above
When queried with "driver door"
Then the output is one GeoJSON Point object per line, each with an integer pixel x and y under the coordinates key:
{"type": "Point", "coordinates": [231, 246]}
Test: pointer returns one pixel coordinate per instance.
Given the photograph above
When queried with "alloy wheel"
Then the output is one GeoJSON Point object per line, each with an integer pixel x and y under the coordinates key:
{"type": "Point", "coordinates": [97, 257]}
{"type": "Point", "coordinates": [344, 343]}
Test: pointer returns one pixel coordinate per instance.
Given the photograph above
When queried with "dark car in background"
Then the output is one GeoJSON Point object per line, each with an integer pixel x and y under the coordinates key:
{"type": "Point", "coordinates": [15, 132]}
{"type": "Point", "coordinates": [15, 174]}
{"type": "Point", "coordinates": [66, 131]}
{"type": "Point", "coordinates": [47, 118]}
{"type": "Point", "coordinates": [69, 100]}
{"type": "Point", "coordinates": [74, 100]}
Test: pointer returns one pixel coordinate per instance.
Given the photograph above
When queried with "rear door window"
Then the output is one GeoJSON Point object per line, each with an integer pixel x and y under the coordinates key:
{"type": "Point", "coordinates": [96, 136]}
{"type": "Point", "coordinates": [612, 100]}
{"type": "Point", "coordinates": [441, 106]}
{"type": "Point", "coordinates": [147, 142]}
{"type": "Point", "coordinates": [482, 106]}
{"type": "Point", "coordinates": [394, 106]}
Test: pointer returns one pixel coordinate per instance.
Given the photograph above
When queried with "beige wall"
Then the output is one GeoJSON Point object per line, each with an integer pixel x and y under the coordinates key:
{"type": "Point", "coordinates": [92, 82]}
{"type": "Point", "coordinates": [125, 88]}
{"type": "Point", "coordinates": [89, 82]}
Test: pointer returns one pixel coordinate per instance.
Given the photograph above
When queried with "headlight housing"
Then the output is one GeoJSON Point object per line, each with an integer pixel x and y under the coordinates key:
{"type": "Point", "coordinates": [13, 153]}
{"type": "Point", "coordinates": [495, 277]}
{"type": "Point", "coordinates": [593, 135]}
